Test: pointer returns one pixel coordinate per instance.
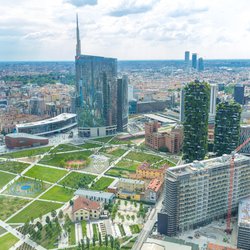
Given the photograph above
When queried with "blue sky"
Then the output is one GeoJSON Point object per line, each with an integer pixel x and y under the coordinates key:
{"type": "Point", "coordinates": [125, 29]}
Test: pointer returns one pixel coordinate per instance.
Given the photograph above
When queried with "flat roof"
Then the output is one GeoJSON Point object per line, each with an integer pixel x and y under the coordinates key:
{"type": "Point", "coordinates": [59, 118]}
{"type": "Point", "coordinates": [86, 192]}
{"type": "Point", "coordinates": [160, 118]}
{"type": "Point", "coordinates": [244, 212]}
{"type": "Point", "coordinates": [197, 166]}
{"type": "Point", "coordinates": [131, 181]}
{"type": "Point", "coordinates": [25, 135]}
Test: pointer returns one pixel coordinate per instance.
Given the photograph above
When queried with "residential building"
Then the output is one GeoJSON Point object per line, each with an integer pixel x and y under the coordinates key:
{"type": "Point", "coordinates": [85, 209]}
{"type": "Point", "coordinates": [182, 104]}
{"type": "Point", "coordinates": [131, 185]}
{"type": "Point", "coordinates": [187, 57]}
{"type": "Point", "coordinates": [22, 140]}
{"type": "Point", "coordinates": [96, 93]}
{"type": "Point", "coordinates": [122, 104]}
{"type": "Point", "coordinates": [244, 135]}
{"type": "Point", "coordinates": [197, 96]}
{"type": "Point", "coordinates": [103, 197]}
{"type": "Point", "coordinates": [36, 106]}
{"type": "Point", "coordinates": [213, 97]}
{"type": "Point", "coordinates": [197, 193]}
{"type": "Point", "coordinates": [212, 246]}
{"type": "Point", "coordinates": [239, 90]}
{"type": "Point", "coordinates": [243, 241]}
{"type": "Point", "coordinates": [145, 171]}
{"type": "Point", "coordinates": [153, 190]}
{"type": "Point", "coordinates": [58, 124]}
{"type": "Point", "coordinates": [194, 60]}
{"type": "Point", "coordinates": [227, 127]}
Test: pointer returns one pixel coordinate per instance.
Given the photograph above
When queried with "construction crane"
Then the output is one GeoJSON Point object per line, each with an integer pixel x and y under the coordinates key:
{"type": "Point", "coordinates": [231, 185]}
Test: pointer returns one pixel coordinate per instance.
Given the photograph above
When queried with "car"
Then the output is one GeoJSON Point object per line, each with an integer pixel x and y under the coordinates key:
{"type": "Point", "coordinates": [190, 237]}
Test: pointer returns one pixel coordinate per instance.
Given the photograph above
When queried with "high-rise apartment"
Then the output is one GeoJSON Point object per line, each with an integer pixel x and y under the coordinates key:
{"type": "Point", "coordinates": [197, 193]}
{"type": "Point", "coordinates": [200, 64]}
{"type": "Point", "coordinates": [182, 104]}
{"type": "Point", "coordinates": [194, 60]}
{"type": "Point", "coordinates": [239, 93]}
{"type": "Point", "coordinates": [122, 104]}
{"type": "Point", "coordinates": [213, 97]}
{"type": "Point", "coordinates": [196, 108]}
{"type": "Point", "coordinates": [187, 57]}
{"type": "Point", "coordinates": [96, 93]}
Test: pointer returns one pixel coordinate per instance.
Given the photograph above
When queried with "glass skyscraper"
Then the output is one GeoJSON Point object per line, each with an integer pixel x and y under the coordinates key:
{"type": "Point", "coordinates": [96, 93]}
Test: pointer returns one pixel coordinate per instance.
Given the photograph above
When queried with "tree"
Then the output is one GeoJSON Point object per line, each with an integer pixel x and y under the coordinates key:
{"type": "Point", "coordinates": [82, 243]}
{"type": "Point", "coordinates": [111, 241]}
{"type": "Point", "coordinates": [106, 240]}
{"type": "Point", "coordinates": [117, 244]}
{"type": "Point", "coordinates": [47, 219]}
{"type": "Point", "coordinates": [71, 203]}
{"type": "Point", "coordinates": [53, 213]}
{"type": "Point", "coordinates": [93, 240]}
{"type": "Point", "coordinates": [39, 226]}
{"type": "Point", "coordinates": [88, 242]}
{"type": "Point", "coordinates": [126, 203]}
{"type": "Point", "coordinates": [133, 217]}
{"type": "Point", "coordinates": [100, 239]}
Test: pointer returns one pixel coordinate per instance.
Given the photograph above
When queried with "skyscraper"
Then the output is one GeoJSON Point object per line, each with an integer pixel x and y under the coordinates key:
{"type": "Point", "coordinates": [182, 113]}
{"type": "Point", "coordinates": [122, 104]}
{"type": "Point", "coordinates": [197, 95]}
{"type": "Point", "coordinates": [213, 97]}
{"type": "Point", "coordinates": [227, 127]}
{"type": "Point", "coordinates": [239, 93]}
{"type": "Point", "coordinates": [187, 57]}
{"type": "Point", "coordinates": [96, 93]}
{"type": "Point", "coordinates": [194, 60]}
{"type": "Point", "coordinates": [200, 64]}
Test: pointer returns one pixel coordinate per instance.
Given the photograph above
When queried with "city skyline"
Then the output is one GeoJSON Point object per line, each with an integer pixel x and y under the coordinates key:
{"type": "Point", "coordinates": [153, 29]}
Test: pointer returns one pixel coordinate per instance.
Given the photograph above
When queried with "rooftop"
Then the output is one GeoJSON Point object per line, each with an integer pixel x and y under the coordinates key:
{"type": "Point", "coordinates": [59, 118]}
{"type": "Point", "coordinates": [212, 246]}
{"type": "Point", "coordinates": [85, 192]}
{"type": "Point", "coordinates": [159, 118]}
{"type": "Point", "coordinates": [86, 204]}
{"type": "Point", "coordinates": [244, 212]}
{"type": "Point", "coordinates": [131, 181]}
{"type": "Point", "coordinates": [197, 166]}
{"type": "Point", "coordinates": [25, 135]}
{"type": "Point", "coordinates": [155, 185]}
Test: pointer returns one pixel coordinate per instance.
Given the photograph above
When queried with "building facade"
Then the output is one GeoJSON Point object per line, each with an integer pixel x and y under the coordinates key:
{"type": "Point", "coordinates": [194, 60]}
{"type": "Point", "coordinates": [145, 171]}
{"type": "Point", "coordinates": [244, 135]}
{"type": "Point", "coordinates": [200, 65]}
{"type": "Point", "coordinates": [239, 90]}
{"type": "Point", "coordinates": [187, 57]}
{"type": "Point", "coordinates": [197, 193]}
{"type": "Point", "coordinates": [122, 104]}
{"type": "Point", "coordinates": [213, 97]}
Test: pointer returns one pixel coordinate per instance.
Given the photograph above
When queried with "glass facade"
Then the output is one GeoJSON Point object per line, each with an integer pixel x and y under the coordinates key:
{"type": "Point", "coordinates": [96, 90]}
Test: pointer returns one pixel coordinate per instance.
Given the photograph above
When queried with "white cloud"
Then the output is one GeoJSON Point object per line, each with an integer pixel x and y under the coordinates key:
{"type": "Point", "coordinates": [80, 3]}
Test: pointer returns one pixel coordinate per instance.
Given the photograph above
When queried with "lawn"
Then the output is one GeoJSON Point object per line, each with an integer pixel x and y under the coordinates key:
{"type": "Point", "coordinates": [2, 231]}
{"type": "Point", "coordinates": [84, 228]}
{"type": "Point", "coordinates": [64, 148]}
{"type": "Point", "coordinates": [58, 194]}
{"type": "Point", "coordinates": [12, 166]}
{"type": "Point", "coordinates": [88, 145]}
{"type": "Point", "coordinates": [46, 173]}
{"type": "Point", "coordinates": [103, 139]}
{"type": "Point", "coordinates": [135, 229]}
{"type": "Point", "coordinates": [27, 153]}
{"type": "Point", "coordinates": [5, 178]}
{"type": "Point", "coordinates": [60, 160]}
{"type": "Point", "coordinates": [10, 205]}
{"type": "Point", "coordinates": [127, 165]}
{"type": "Point", "coordinates": [77, 180]}
{"type": "Point", "coordinates": [7, 241]}
{"type": "Point", "coordinates": [35, 210]}
{"type": "Point", "coordinates": [117, 172]}
{"type": "Point", "coordinates": [121, 228]}
{"type": "Point", "coordinates": [95, 231]}
{"type": "Point", "coordinates": [116, 141]}
{"type": "Point", "coordinates": [102, 184]}
{"type": "Point", "coordinates": [140, 156]}
{"type": "Point", "coordinates": [72, 235]}
{"type": "Point", "coordinates": [163, 162]}
{"type": "Point", "coordinates": [117, 152]}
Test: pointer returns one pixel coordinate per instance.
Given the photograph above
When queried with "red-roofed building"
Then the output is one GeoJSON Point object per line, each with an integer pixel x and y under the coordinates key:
{"type": "Point", "coordinates": [153, 190]}
{"type": "Point", "coordinates": [85, 209]}
{"type": "Point", "coordinates": [145, 171]}
{"type": "Point", "coordinates": [212, 246]}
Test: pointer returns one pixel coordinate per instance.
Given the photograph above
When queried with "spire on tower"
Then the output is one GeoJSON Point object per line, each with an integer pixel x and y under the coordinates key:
{"type": "Point", "coordinates": [78, 41]}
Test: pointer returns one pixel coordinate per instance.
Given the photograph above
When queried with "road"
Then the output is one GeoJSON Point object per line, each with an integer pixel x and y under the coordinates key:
{"type": "Point", "coordinates": [148, 226]}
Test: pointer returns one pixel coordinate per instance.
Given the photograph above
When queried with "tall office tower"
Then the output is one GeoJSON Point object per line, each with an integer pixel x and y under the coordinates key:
{"type": "Point", "coordinates": [122, 104]}
{"type": "Point", "coordinates": [36, 106]}
{"type": "Point", "coordinates": [96, 93]}
{"type": "Point", "coordinates": [239, 93]}
{"type": "Point", "coordinates": [196, 101]}
{"type": "Point", "coordinates": [130, 92]}
{"type": "Point", "coordinates": [197, 193]}
{"type": "Point", "coordinates": [227, 127]}
{"type": "Point", "coordinates": [213, 97]}
{"type": "Point", "coordinates": [200, 64]}
{"type": "Point", "coordinates": [187, 57]}
{"type": "Point", "coordinates": [194, 60]}
{"type": "Point", "coordinates": [182, 113]}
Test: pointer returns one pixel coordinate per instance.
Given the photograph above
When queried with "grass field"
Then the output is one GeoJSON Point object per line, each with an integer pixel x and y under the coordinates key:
{"type": "Point", "coordinates": [12, 166]}
{"type": "Point", "coordinates": [102, 184]}
{"type": "Point", "coordinates": [10, 205]}
{"type": "Point", "coordinates": [27, 152]}
{"type": "Point", "coordinates": [88, 145]}
{"type": "Point", "coordinates": [58, 194]}
{"type": "Point", "coordinates": [84, 228]}
{"type": "Point", "coordinates": [72, 235]}
{"type": "Point", "coordinates": [7, 241]}
{"type": "Point", "coordinates": [77, 180]}
{"type": "Point", "coordinates": [36, 209]}
{"type": "Point", "coordinates": [135, 229]}
{"type": "Point", "coordinates": [103, 139]}
{"type": "Point", "coordinates": [2, 231]}
{"type": "Point", "coordinates": [5, 178]}
{"type": "Point", "coordinates": [140, 156]}
{"type": "Point", "coordinates": [117, 152]}
{"type": "Point", "coordinates": [60, 160]}
{"type": "Point", "coordinates": [46, 174]}
{"type": "Point", "coordinates": [128, 165]}
{"type": "Point", "coordinates": [117, 172]}
{"type": "Point", "coordinates": [64, 148]}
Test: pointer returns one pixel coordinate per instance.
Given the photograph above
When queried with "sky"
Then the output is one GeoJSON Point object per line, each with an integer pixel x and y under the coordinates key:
{"type": "Point", "coordinates": [124, 29]}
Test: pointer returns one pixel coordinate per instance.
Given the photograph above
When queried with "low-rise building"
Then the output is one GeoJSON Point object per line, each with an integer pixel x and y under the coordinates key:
{"type": "Point", "coordinates": [153, 190]}
{"type": "Point", "coordinates": [212, 246]}
{"type": "Point", "coordinates": [131, 185]}
{"type": "Point", "coordinates": [85, 209]}
{"type": "Point", "coordinates": [99, 196]}
{"type": "Point", "coordinates": [146, 172]}
{"type": "Point", "coordinates": [243, 241]}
